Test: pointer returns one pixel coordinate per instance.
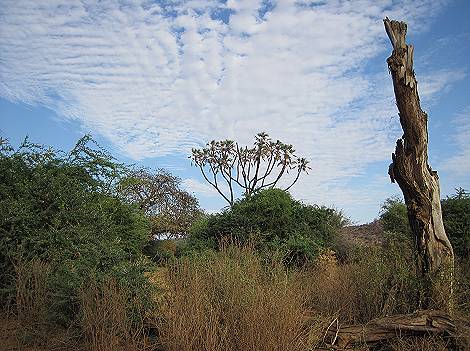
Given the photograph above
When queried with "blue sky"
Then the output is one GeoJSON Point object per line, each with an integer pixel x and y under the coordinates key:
{"type": "Point", "coordinates": [152, 79]}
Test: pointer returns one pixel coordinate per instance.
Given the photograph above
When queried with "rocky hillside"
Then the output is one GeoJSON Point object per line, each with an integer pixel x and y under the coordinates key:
{"type": "Point", "coordinates": [370, 234]}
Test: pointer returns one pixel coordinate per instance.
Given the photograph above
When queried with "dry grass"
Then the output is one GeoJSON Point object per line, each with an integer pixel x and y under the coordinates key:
{"type": "Point", "coordinates": [103, 324]}
{"type": "Point", "coordinates": [462, 289]}
{"type": "Point", "coordinates": [430, 343]}
{"type": "Point", "coordinates": [32, 298]}
{"type": "Point", "coordinates": [358, 291]}
{"type": "Point", "coordinates": [105, 321]}
{"type": "Point", "coordinates": [229, 301]}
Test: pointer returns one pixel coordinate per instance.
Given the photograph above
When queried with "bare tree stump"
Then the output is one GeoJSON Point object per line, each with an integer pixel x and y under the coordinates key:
{"type": "Point", "coordinates": [418, 182]}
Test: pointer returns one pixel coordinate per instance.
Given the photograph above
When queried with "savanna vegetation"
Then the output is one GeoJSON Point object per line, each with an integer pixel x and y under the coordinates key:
{"type": "Point", "coordinates": [99, 256]}
{"type": "Point", "coordinates": [96, 255]}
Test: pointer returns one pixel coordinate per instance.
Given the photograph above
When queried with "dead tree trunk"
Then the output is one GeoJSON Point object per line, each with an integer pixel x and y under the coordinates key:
{"type": "Point", "coordinates": [420, 323]}
{"type": "Point", "coordinates": [418, 182]}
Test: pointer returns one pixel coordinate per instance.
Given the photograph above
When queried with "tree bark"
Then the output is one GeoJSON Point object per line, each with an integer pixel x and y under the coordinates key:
{"type": "Point", "coordinates": [418, 182]}
{"type": "Point", "coordinates": [421, 323]}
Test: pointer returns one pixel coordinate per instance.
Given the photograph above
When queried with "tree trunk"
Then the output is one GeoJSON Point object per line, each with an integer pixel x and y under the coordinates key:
{"type": "Point", "coordinates": [418, 182]}
{"type": "Point", "coordinates": [420, 323]}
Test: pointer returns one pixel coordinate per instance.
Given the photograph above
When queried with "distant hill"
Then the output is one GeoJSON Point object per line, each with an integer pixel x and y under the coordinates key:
{"type": "Point", "coordinates": [370, 234]}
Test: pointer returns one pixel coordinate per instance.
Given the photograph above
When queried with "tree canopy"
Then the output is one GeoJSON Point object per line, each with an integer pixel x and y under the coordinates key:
{"type": "Point", "coordinates": [227, 166]}
{"type": "Point", "coordinates": [170, 208]}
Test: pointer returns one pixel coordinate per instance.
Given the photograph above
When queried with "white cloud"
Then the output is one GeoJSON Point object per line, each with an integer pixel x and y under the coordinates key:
{"type": "Point", "coordinates": [438, 82]}
{"type": "Point", "coordinates": [195, 186]}
{"type": "Point", "coordinates": [157, 80]}
{"type": "Point", "coordinates": [459, 164]}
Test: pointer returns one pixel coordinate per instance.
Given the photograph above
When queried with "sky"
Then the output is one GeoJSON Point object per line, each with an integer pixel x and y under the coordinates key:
{"type": "Point", "coordinates": [152, 79]}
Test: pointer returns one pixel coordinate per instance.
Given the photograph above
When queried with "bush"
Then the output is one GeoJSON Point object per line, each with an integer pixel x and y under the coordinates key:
{"type": "Point", "coordinates": [160, 250]}
{"type": "Point", "coordinates": [456, 213]}
{"type": "Point", "coordinates": [394, 217]}
{"type": "Point", "coordinates": [275, 223]}
{"type": "Point", "coordinates": [60, 208]}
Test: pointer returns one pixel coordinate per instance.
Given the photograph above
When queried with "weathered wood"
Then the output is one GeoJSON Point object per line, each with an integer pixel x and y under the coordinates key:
{"type": "Point", "coordinates": [418, 182]}
{"type": "Point", "coordinates": [420, 323]}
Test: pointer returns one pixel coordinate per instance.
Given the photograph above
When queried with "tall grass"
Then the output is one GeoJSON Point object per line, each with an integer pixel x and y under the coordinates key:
{"type": "Point", "coordinates": [103, 324]}
{"type": "Point", "coordinates": [371, 285]}
{"type": "Point", "coordinates": [231, 301]}
{"type": "Point", "coordinates": [235, 300]}
{"type": "Point", "coordinates": [462, 289]}
{"type": "Point", "coordinates": [32, 298]}
{"type": "Point", "coordinates": [106, 320]}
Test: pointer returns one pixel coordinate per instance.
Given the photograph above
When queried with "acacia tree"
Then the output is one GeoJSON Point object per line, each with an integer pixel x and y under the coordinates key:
{"type": "Point", "coordinates": [418, 182]}
{"type": "Point", "coordinates": [171, 209]}
{"type": "Point", "coordinates": [226, 165]}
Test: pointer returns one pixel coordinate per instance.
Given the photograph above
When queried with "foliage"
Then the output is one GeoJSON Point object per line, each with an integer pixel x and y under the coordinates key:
{"type": "Point", "coordinates": [160, 250]}
{"type": "Point", "coordinates": [171, 209]}
{"type": "Point", "coordinates": [273, 221]}
{"type": "Point", "coordinates": [394, 217]}
{"type": "Point", "coordinates": [456, 214]}
{"type": "Point", "coordinates": [60, 208]}
{"type": "Point", "coordinates": [296, 250]}
{"type": "Point", "coordinates": [250, 169]}
{"type": "Point", "coordinates": [399, 242]}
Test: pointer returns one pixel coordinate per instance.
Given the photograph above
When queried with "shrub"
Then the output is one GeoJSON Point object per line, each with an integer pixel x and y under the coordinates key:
{"type": "Point", "coordinates": [274, 222]}
{"type": "Point", "coordinates": [60, 208]}
{"type": "Point", "coordinates": [456, 214]}
{"type": "Point", "coordinates": [394, 217]}
{"type": "Point", "coordinates": [160, 250]}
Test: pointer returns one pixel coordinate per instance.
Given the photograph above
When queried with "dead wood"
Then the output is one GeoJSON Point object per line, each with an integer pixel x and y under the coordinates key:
{"type": "Point", "coordinates": [420, 323]}
{"type": "Point", "coordinates": [418, 182]}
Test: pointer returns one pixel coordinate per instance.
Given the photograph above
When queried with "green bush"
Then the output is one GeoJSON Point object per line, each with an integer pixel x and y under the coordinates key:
{"type": "Point", "coordinates": [296, 250]}
{"type": "Point", "coordinates": [394, 217]}
{"type": "Point", "coordinates": [456, 214]}
{"type": "Point", "coordinates": [274, 222]}
{"type": "Point", "coordinates": [60, 208]}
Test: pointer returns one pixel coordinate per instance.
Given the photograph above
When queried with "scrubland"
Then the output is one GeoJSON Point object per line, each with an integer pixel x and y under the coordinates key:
{"type": "Point", "coordinates": [81, 269]}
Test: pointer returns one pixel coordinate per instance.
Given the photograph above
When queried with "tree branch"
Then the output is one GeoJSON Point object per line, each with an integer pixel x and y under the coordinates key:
{"type": "Point", "coordinates": [295, 180]}
{"type": "Point", "coordinates": [214, 184]}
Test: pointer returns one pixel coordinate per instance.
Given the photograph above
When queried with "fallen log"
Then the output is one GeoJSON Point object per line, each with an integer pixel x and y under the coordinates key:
{"type": "Point", "coordinates": [420, 323]}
